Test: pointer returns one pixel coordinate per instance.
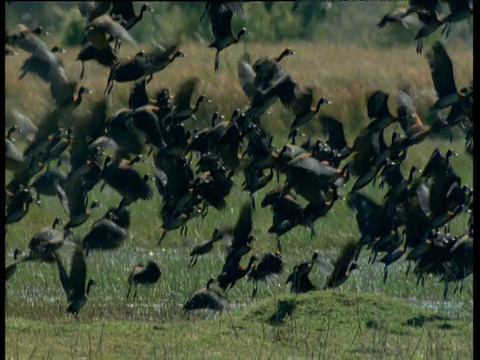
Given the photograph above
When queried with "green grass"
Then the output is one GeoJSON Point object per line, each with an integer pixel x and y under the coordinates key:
{"type": "Point", "coordinates": [362, 319]}
{"type": "Point", "coordinates": [333, 324]}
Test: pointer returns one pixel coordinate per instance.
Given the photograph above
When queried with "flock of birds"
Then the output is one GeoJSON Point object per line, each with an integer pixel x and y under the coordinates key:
{"type": "Point", "coordinates": [193, 170]}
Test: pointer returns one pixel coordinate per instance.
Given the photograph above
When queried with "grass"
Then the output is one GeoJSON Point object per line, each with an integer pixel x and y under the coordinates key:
{"type": "Point", "coordinates": [363, 319]}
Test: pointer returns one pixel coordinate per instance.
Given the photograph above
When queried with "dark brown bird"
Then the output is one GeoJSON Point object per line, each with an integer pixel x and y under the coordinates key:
{"type": "Point", "coordinates": [204, 248]}
{"type": "Point", "coordinates": [183, 97]}
{"type": "Point", "coordinates": [343, 266]}
{"type": "Point", "coordinates": [145, 275]}
{"type": "Point", "coordinates": [205, 298]}
{"type": "Point", "coordinates": [142, 64]}
{"type": "Point", "coordinates": [300, 282]}
{"type": "Point", "coordinates": [126, 11]}
{"type": "Point", "coordinates": [18, 206]}
{"type": "Point", "coordinates": [126, 180]}
{"type": "Point", "coordinates": [430, 23]}
{"type": "Point", "coordinates": [242, 238]}
{"type": "Point", "coordinates": [100, 29]}
{"type": "Point", "coordinates": [287, 213]}
{"type": "Point", "coordinates": [90, 10]}
{"type": "Point", "coordinates": [104, 56]}
{"type": "Point", "coordinates": [459, 10]}
{"type": "Point", "coordinates": [270, 265]}
{"type": "Point", "coordinates": [399, 15]}
{"type": "Point", "coordinates": [75, 284]}
{"type": "Point", "coordinates": [220, 14]}
{"type": "Point", "coordinates": [232, 273]}
{"type": "Point", "coordinates": [26, 39]}
{"type": "Point", "coordinates": [303, 109]}
{"type": "Point", "coordinates": [138, 95]}
{"type": "Point", "coordinates": [77, 203]}
{"type": "Point", "coordinates": [43, 246]}
{"type": "Point", "coordinates": [444, 82]}
{"type": "Point", "coordinates": [109, 232]}
{"type": "Point", "coordinates": [40, 67]}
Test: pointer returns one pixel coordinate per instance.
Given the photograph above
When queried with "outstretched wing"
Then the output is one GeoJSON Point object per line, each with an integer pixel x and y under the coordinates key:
{"type": "Point", "coordinates": [334, 129]}
{"type": "Point", "coordinates": [246, 74]}
{"type": "Point", "coordinates": [442, 70]}
{"type": "Point", "coordinates": [243, 228]}
{"type": "Point", "coordinates": [78, 273]}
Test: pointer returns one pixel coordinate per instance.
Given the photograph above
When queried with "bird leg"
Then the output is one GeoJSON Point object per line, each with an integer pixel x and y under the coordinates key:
{"type": "Point", "coordinates": [385, 274]}
{"type": "Point", "coordinates": [217, 61]}
{"type": "Point", "coordinates": [183, 230]}
{"type": "Point", "coordinates": [162, 237]}
{"type": "Point", "coordinates": [252, 196]}
{"type": "Point", "coordinates": [193, 261]}
{"type": "Point", "coordinates": [312, 229]}
{"type": "Point", "coordinates": [205, 212]}
{"type": "Point", "coordinates": [421, 278]}
{"type": "Point", "coordinates": [128, 292]}
{"type": "Point", "coordinates": [446, 29]}
{"type": "Point", "coordinates": [118, 43]}
{"type": "Point", "coordinates": [419, 46]}
{"type": "Point", "coordinates": [83, 71]}
{"type": "Point", "coordinates": [408, 268]}
{"type": "Point", "coordinates": [456, 287]}
{"type": "Point", "coordinates": [445, 292]}
{"type": "Point", "coordinates": [255, 288]}
{"type": "Point", "coordinates": [135, 293]}
{"type": "Point", "coordinates": [279, 245]}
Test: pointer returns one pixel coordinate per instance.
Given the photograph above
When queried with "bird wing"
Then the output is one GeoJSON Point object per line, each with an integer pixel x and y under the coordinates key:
{"type": "Point", "coordinates": [78, 273]}
{"type": "Point", "coordinates": [64, 278]}
{"type": "Point", "coordinates": [406, 111]}
{"type": "Point", "coordinates": [62, 195]}
{"type": "Point", "coordinates": [290, 92]}
{"type": "Point", "coordinates": [184, 94]}
{"type": "Point", "coordinates": [61, 89]}
{"type": "Point", "coordinates": [423, 195]}
{"type": "Point", "coordinates": [345, 258]}
{"type": "Point", "coordinates": [246, 74]}
{"type": "Point", "coordinates": [458, 5]}
{"type": "Point", "coordinates": [220, 21]}
{"type": "Point", "coordinates": [123, 8]}
{"type": "Point", "coordinates": [78, 149]}
{"type": "Point", "coordinates": [26, 126]}
{"type": "Point", "coordinates": [364, 205]}
{"type": "Point", "coordinates": [243, 228]}
{"type": "Point", "coordinates": [334, 129]}
{"type": "Point", "coordinates": [96, 120]}
{"type": "Point", "coordinates": [442, 70]}
{"type": "Point", "coordinates": [76, 196]}
{"type": "Point", "coordinates": [106, 24]}
{"type": "Point", "coordinates": [428, 5]}
{"type": "Point", "coordinates": [93, 9]}
{"type": "Point", "coordinates": [377, 105]}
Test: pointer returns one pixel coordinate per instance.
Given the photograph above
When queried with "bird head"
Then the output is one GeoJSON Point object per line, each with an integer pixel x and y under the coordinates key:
{"type": "Point", "coordinates": [57, 48]}
{"type": "Point", "coordinates": [242, 32]}
{"type": "Point", "coordinates": [178, 53]}
{"type": "Point", "coordinates": [146, 7]}
{"type": "Point", "coordinates": [39, 30]}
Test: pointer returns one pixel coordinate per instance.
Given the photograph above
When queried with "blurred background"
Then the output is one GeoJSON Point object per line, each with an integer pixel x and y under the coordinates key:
{"type": "Point", "coordinates": [269, 21]}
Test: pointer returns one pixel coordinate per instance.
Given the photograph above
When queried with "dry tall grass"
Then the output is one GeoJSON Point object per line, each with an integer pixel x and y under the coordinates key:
{"type": "Point", "coordinates": [343, 73]}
